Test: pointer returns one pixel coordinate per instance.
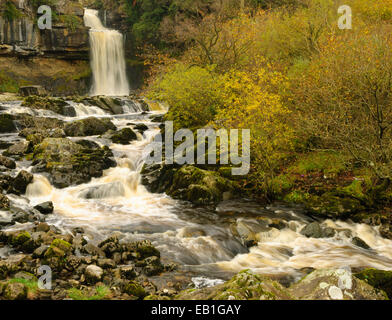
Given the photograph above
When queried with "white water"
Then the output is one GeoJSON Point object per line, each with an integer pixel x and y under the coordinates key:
{"type": "Point", "coordinates": [107, 58]}
{"type": "Point", "coordinates": [199, 239]}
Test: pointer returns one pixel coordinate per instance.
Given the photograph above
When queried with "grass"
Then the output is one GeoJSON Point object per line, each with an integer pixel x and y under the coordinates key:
{"type": "Point", "coordinates": [32, 285]}
{"type": "Point", "coordinates": [101, 292]}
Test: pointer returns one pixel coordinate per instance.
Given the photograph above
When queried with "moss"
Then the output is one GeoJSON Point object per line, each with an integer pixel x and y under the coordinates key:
{"type": "Point", "coordinates": [199, 186]}
{"type": "Point", "coordinates": [21, 238]}
{"type": "Point", "coordinates": [332, 206]}
{"type": "Point", "coordinates": [58, 248]}
{"type": "Point", "coordinates": [135, 289]}
{"type": "Point", "coordinates": [329, 163]}
{"type": "Point", "coordinates": [378, 279]}
{"type": "Point", "coordinates": [297, 197]}
{"type": "Point", "coordinates": [98, 293]}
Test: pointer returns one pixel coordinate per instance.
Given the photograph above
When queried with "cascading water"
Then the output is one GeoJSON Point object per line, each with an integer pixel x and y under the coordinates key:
{"type": "Point", "coordinates": [107, 58]}
{"type": "Point", "coordinates": [201, 240]}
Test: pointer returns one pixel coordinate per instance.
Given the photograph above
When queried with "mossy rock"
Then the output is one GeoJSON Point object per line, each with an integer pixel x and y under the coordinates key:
{"type": "Point", "coordinates": [21, 238]}
{"type": "Point", "coordinates": [243, 286]}
{"type": "Point", "coordinates": [70, 163]}
{"type": "Point", "coordinates": [135, 289]}
{"type": "Point", "coordinates": [124, 136]}
{"type": "Point", "coordinates": [199, 186]}
{"type": "Point", "coordinates": [145, 249]}
{"type": "Point", "coordinates": [379, 279]}
{"type": "Point", "coordinates": [56, 105]}
{"type": "Point", "coordinates": [88, 127]}
{"type": "Point", "coordinates": [334, 284]}
{"type": "Point", "coordinates": [58, 249]}
{"type": "Point", "coordinates": [332, 206]}
{"type": "Point", "coordinates": [7, 123]}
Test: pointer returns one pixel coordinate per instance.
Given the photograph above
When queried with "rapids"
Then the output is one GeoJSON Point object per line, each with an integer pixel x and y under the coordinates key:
{"type": "Point", "coordinates": [199, 239]}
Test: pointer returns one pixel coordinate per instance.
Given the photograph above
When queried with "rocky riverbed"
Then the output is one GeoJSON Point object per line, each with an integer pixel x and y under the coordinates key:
{"type": "Point", "coordinates": [77, 197]}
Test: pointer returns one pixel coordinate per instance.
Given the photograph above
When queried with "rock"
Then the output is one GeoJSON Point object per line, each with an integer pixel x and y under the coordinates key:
{"type": "Point", "coordinates": [331, 206]}
{"type": "Point", "coordinates": [69, 163]}
{"type": "Point", "coordinates": [92, 250]}
{"type": "Point", "coordinates": [4, 202]}
{"type": "Point", "coordinates": [56, 105]}
{"type": "Point", "coordinates": [7, 123]}
{"type": "Point", "coordinates": [360, 243]}
{"type": "Point", "coordinates": [153, 266]}
{"type": "Point", "coordinates": [93, 274]}
{"type": "Point", "coordinates": [188, 183]}
{"type": "Point", "coordinates": [109, 104]}
{"type": "Point", "coordinates": [248, 231]}
{"type": "Point", "coordinates": [59, 249]}
{"type": "Point", "coordinates": [39, 124]}
{"type": "Point", "coordinates": [135, 289]}
{"type": "Point", "coordinates": [8, 163]}
{"type": "Point", "coordinates": [43, 227]}
{"type": "Point", "coordinates": [141, 127]}
{"type": "Point", "coordinates": [145, 249]}
{"type": "Point", "coordinates": [20, 182]}
{"type": "Point", "coordinates": [88, 127]}
{"type": "Point", "coordinates": [244, 286]}
{"type": "Point", "coordinates": [127, 273]}
{"type": "Point", "coordinates": [124, 136]}
{"type": "Point", "coordinates": [32, 91]}
{"type": "Point", "coordinates": [40, 251]}
{"type": "Point", "coordinates": [45, 208]}
{"type": "Point", "coordinates": [378, 279]}
{"type": "Point", "coordinates": [330, 284]}
{"type": "Point", "coordinates": [15, 291]}
{"type": "Point", "coordinates": [19, 149]}
{"type": "Point", "coordinates": [106, 263]}
{"type": "Point", "coordinates": [315, 230]}
{"type": "Point", "coordinates": [312, 230]}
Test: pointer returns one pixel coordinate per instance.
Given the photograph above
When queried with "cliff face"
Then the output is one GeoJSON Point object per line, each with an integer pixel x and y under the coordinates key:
{"type": "Point", "coordinates": [68, 38]}
{"type": "Point", "coordinates": [57, 59]}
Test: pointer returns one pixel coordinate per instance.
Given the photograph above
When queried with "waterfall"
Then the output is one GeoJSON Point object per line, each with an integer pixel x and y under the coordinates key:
{"type": "Point", "coordinates": [107, 58]}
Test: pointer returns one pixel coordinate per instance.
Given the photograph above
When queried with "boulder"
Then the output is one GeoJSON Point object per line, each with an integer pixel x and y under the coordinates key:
{"type": "Point", "coordinates": [135, 289]}
{"type": "Point", "coordinates": [93, 274]}
{"type": "Point", "coordinates": [124, 136]}
{"type": "Point", "coordinates": [332, 206]}
{"type": "Point", "coordinates": [15, 291]}
{"type": "Point", "coordinates": [360, 243]}
{"type": "Point", "coordinates": [7, 162]}
{"type": "Point", "coordinates": [251, 232]}
{"type": "Point", "coordinates": [379, 279]}
{"type": "Point", "coordinates": [88, 127]}
{"type": "Point", "coordinates": [38, 123]}
{"type": "Point", "coordinates": [109, 104]}
{"type": "Point", "coordinates": [45, 207]}
{"type": "Point", "coordinates": [199, 186]}
{"type": "Point", "coordinates": [56, 105]}
{"type": "Point", "coordinates": [19, 149]}
{"type": "Point", "coordinates": [244, 286]}
{"type": "Point", "coordinates": [334, 284]}
{"type": "Point", "coordinates": [141, 127]}
{"type": "Point", "coordinates": [153, 266]}
{"type": "Point", "coordinates": [20, 182]}
{"type": "Point", "coordinates": [69, 163]}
